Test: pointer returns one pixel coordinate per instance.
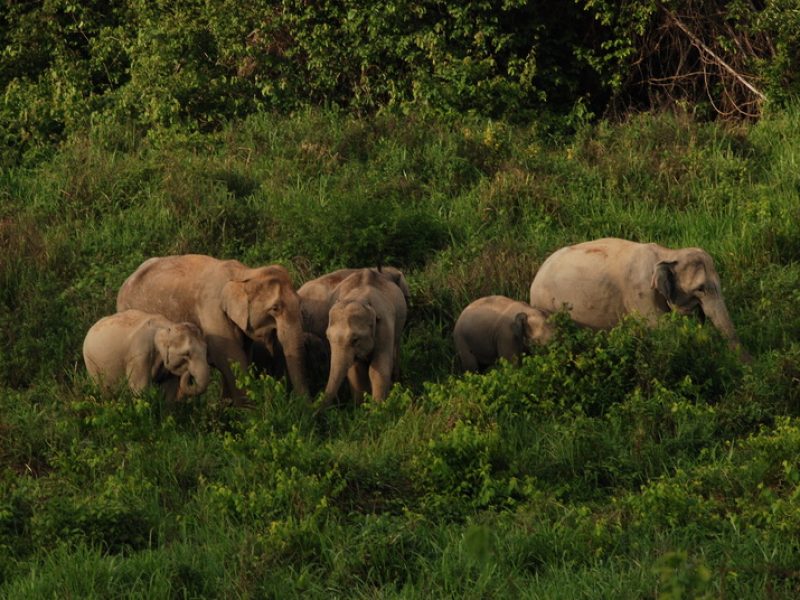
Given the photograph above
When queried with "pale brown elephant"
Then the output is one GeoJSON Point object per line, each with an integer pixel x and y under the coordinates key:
{"type": "Point", "coordinates": [317, 298]}
{"type": "Point", "coordinates": [143, 348]}
{"type": "Point", "coordinates": [228, 301]}
{"type": "Point", "coordinates": [603, 280]}
{"type": "Point", "coordinates": [496, 327]}
{"type": "Point", "coordinates": [365, 323]}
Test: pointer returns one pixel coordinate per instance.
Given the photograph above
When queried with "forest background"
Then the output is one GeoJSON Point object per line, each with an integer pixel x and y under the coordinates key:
{"type": "Point", "coordinates": [463, 143]}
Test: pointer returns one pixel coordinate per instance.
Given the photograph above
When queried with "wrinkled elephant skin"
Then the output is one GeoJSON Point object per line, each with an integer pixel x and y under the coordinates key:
{"type": "Point", "coordinates": [229, 302]}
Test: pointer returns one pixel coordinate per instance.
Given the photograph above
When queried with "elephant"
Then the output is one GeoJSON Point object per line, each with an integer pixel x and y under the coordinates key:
{"type": "Point", "coordinates": [229, 302]}
{"type": "Point", "coordinates": [601, 281]}
{"type": "Point", "coordinates": [316, 296]}
{"type": "Point", "coordinates": [498, 327]}
{"type": "Point", "coordinates": [145, 348]}
{"type": "Point", "coordinates": [365, 322]}
{"type": "Point", "coordinates": [269, 359]}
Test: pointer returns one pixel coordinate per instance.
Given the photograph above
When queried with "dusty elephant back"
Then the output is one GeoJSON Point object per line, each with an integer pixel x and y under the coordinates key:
{"type": "Point", "coordinates": [364, 280]}
{"type": "Point", "coordinates": [595, 280]}
{"type": "Point", "coordinates": [173, 285]}
{"type": "Point", "coordinates": [107, 343]}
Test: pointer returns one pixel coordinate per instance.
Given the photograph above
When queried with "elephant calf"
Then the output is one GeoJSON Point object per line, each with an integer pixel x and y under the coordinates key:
{"type": "Point", "coordinates": [498, 327]}
{"type": "Point", "coordinates": [145, 348]}
{"type": "Point", "coordinates": [317, 295]}
{"type": "Point", "coordinates": [365, 322]}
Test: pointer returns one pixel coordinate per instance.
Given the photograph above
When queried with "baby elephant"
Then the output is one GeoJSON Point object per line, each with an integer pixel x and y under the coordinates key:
{"type": "Point", "coordinates": [498, 327]}
{"type": "Point", "coordinates": [145, 348]}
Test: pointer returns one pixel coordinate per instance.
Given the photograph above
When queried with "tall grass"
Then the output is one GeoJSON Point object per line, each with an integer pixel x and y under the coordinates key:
{"type": "Point", "coordinates": [624, 464]}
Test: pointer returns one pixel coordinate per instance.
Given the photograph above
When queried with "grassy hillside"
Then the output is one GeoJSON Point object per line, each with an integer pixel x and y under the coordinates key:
{"type": "Point", "coordinates": [624, 464]}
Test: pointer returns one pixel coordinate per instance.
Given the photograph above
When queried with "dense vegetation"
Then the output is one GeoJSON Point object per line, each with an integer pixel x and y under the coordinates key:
{"type": "Point", "coordinates": [624, 464]}
{"type": "Point", "coordinates": [65, 65]}
{"type": "Point", "coordinates": [461, 143]}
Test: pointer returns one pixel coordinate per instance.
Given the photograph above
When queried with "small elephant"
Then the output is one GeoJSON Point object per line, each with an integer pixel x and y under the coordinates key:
{"type": "Point", "coordinates": [229, 302]}
{"type": "Point", "coordinates": [496, 327]}
{"type": "Point", "coordinates": [316, 296]}
{"type": "Point", "coordinates": [603, 280]}
{"type": "Point", "coordinates": [145, 348]}
{"type": "Point", "coordinates": [365, 323]}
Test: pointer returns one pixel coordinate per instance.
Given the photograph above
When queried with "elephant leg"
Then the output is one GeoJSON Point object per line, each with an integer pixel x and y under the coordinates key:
{"type": "Point", "coordinates": [396, 362]}
{"type": "Point", "coordinates": [223, 353]}
{"type": "Point", "coordinates": [468, 360]}
{"type": "Point", "coordinates": [358, 380]}
{"type": "Point", "coordinates": [138, 374]}
{"type": "Point", "coordinates": [509, 349]}
{"type": "Point", "coordinates": [380, 377]}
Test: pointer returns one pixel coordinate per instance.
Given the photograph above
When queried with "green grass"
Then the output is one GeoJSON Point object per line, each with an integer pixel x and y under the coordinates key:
{"type": "Point", "coordinates": [628, 464]}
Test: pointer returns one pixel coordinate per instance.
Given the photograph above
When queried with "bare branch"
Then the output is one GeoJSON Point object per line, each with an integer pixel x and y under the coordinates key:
{"type": "Point", "coordinates": [700, 45]}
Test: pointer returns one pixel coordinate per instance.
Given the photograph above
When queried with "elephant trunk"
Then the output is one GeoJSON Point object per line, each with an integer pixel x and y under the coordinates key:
{"type": "Point", "coordinates": [290, 335]}
{"type": "Point", "coordinates": [716, 310]}
{"type": "Point", "coordinates": [340, 364]}
{"type": "Point", "coordinates": [195, 379]}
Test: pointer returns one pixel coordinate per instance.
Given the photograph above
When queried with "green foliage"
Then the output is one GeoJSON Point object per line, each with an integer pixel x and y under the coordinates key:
{"type": "Point", "coordinates": [65, 65]}
{"type": "Point", "coordinates": [637, 462]}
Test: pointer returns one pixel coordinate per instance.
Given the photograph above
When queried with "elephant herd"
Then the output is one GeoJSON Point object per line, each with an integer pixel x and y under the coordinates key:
{"type": "Point", "coordinates": [179, 315]}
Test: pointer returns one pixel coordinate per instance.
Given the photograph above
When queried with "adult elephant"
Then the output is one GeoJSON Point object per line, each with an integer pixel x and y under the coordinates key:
{"type": "Point", "coordinates": [603, 280]}
{"type": "Point", "coordinates": [496, 327]}
{"type": "Point", "coordinates": [228, 301]}
{"type": "Point", "coordinates": [365, 323]}
{"type": "Point", "coordinates": [143, 348]}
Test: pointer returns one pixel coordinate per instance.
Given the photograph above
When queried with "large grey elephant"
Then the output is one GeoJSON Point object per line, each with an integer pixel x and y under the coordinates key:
{"type": "Point", "coordinates": [317, 295]}
{"type": "Point", "coordinates": [228, 301]}
{"type": "Point", "coordinates": [496, 327]}
{"type": "Point", "coordinates": [603, 280]}
{"type": "Point", "coordinates": [365, 323]}
{"type": "Point", "coordinates": [145, 348]}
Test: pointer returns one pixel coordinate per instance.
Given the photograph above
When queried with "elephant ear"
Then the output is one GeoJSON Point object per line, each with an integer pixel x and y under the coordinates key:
{"type": "Point", "coordinates": [518, 326]}
{"type": "Point", "coordinates": [664, 279]}
{"type": "Point", "coordinates": [235, 303]}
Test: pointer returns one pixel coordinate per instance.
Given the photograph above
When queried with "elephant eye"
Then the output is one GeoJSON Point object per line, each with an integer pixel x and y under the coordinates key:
{"type": "Point", "coordinates": [701, 289]}
{"type": "Point", "coordinates": [276, 308]}
{"type": "Point", "coordinates": [355, 339]}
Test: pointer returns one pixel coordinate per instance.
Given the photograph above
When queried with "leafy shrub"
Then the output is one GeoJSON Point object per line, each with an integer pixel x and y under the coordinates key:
{"type": "Point", "coordinates": [359, 231]}
{"type": "Point", "coordinates": [116, 524]}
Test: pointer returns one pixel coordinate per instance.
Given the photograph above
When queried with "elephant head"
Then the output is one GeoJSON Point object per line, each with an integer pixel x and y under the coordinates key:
{"type": "Point", "coordinates": [182, 352]}
{"type": "Point", "coordinates": [531, 328]}
{"type": "Point", "coordinates": [351, 333]}
{"type": "Point", "coordinates": [688, 282]}
{"type": "Point", "coordinates": [262, 303]}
